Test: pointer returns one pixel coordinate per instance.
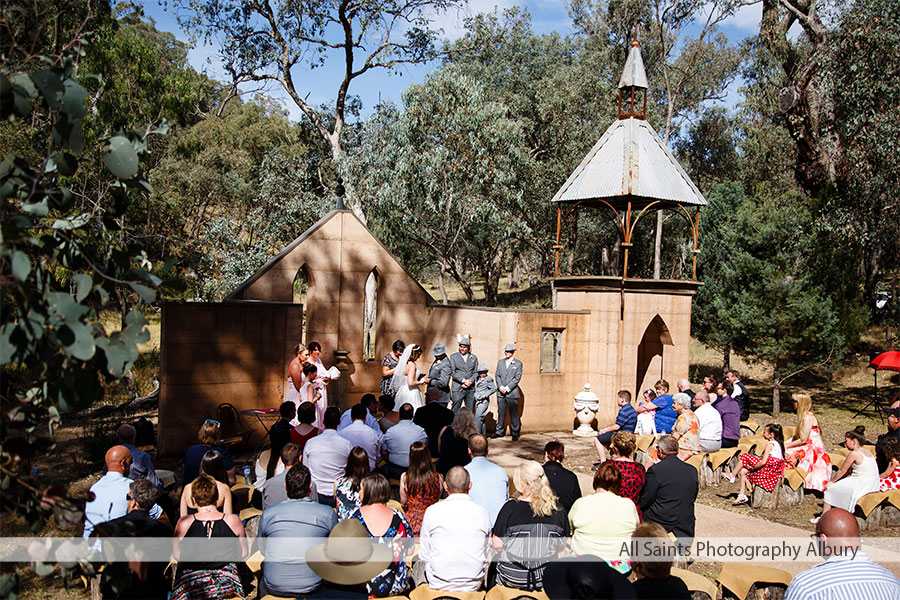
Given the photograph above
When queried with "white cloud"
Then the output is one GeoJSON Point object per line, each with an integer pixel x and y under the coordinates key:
{"type": "Point", "coordinates": [746, 18]}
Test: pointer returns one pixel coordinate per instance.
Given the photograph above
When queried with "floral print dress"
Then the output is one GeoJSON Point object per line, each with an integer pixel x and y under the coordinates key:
{"type": "Point", "coordinates": [813, 458]}
{"type": "Point", "coordinates": [688, 428]}
{"type": "Point", "coordinates": [394, 580]}
{"type": "Point", "coordinates": [420, 497]}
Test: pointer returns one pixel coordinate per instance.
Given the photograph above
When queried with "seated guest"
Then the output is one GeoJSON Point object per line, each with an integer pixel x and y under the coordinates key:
{"type": "Point", "coordinates": [710, 424]}
{"type": "Point", "coordinates": [730, 412]}
{"type": "Point", "coordinates": [141, 463]}
{"type": "Point", "coordinates": [806, 448]}
{"type": "Point", "coordinates": [765, 470]}
{"type": "Point", "coordinates": [453, 542]}
{"type": "Point", "coordinates": [646, 419]}
{"type": "Point", "coordinates": [212, 466]}
{"type": "Point", "coordinates": [347, 560]}
{"type": "Point", "coordinates": [585, 578]}
{"type": "Point", "coordinates": [326, 456]}
{"type": "Point", "coordinates": [301, 520]}
{"type": "Point", "coordinates": [433, 417]}
{"type": "Point", "coordinates": [670, 491]}
{"type": "Point", "coordinates": [346, 487]}
{"type": "Point", "coordinates": [453, 441]}
{"type": "Point", "coordinates": [359, 434]}
{"type": "Point", "coordinates": [217, 538]}
{"type": "Point", "coordinates": [626, 420]}
{"type": "Point", "coordinates": [280, 434]}
{"type": "Point", "coordinates": [420, 487]}
{"type": "Point", "coordinates": [490, 483]}
{"type": "Point", "coordinates": [652, 567]}
{"type": "Point", "coordinates": [371, 404]}
{"type": "Point", "coordinates": [111, 491]}
{"type": "Point", "coordinates": [893, 431]}
{"type": "Point", "coordinates": [563, 482]}
{"type": "Point", "coordinates": [890, 478]}
{"type": "Point", "coordinates": [533, 526]}
{"type": "Point", "coordinates": [396, 442]}
{"type": "Point", "coordinates": [662, 404]}
{"type": "Point", "coordinates": [684, 386]}
{"type": "Point", "coordinates": [148, 579]}
{"type": "Point", "coordinates": [604, 521]}
{"type": "Point", "coordinates": [848, 571]}
{"type": "Point", "coordinates": [857, 477]}
{"type": "Point", "coordinates": [710, 385]}
{"type": "Point", "coordinates": [687, 427]}
{"type": "Point", "coordinates": [633, 474]}
{"type": "Point", "coordinates": [305, 431]}
{"type": "Point", "coordinates": [389, 416]}
{"type": "Point", "coordinates": [274, 491]}
{"type": "Point", "coordinates": [208, 437]}
{"type": "Point", "coordinates": [390, 528]}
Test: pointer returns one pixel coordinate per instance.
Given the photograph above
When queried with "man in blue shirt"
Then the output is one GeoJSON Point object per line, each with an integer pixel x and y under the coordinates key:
{"type": "Point", "coordinates": [371, 404]}
{"type": "Point", "coordinates": [111, 492]}
{"type": "Point", "coordinates": [396, 442]}
{"type": "Point", "coordinates": [286, 531]}
{"type": "Point", "coordinates": [141, 464]}
{"type": "Point", "coordinates": [626, 419]}
{"type": "Point", "coordinates": [848, 574]}
{"type": "Point", "coordinates": [490, 483]}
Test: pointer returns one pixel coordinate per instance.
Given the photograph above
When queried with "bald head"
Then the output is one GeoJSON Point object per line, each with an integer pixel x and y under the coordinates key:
{"type": "Point", "coordinates": [118, 459]}
{"type": "Point", "coordinates": [838, 523]}
{"type": "Point", "coordinates": [457, 481]}
{"type": "Point", "coordinates": [684, 385]}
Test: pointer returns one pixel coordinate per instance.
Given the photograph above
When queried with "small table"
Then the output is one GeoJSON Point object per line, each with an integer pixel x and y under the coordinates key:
{"type": "Point", "coordinates": [262, 415]}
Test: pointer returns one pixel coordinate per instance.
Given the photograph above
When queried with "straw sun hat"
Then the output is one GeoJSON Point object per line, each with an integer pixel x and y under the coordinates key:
{"type": "Point", "coordinates": [349, 556]}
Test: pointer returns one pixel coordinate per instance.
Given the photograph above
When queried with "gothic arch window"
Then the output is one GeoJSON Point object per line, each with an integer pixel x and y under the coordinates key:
{"type": "Point", "coordinates": [651, 353]}
{"type": "Point", "coordinates": [300, 296]}
{"type": "Point", "coordinates": [370, 311]}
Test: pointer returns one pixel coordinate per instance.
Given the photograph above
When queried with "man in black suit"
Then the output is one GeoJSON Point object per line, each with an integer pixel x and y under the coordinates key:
{"type": "Point", "coordinates": [670, 491]}
{"type": "Point", "coordinates": [433, 417]}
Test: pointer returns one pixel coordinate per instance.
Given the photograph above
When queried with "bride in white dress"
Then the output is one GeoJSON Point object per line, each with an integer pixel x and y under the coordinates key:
{"type": "Point", "coordinates": [407, 379]}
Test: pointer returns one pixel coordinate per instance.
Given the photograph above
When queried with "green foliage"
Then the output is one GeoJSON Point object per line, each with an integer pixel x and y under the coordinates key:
{"type": "Point", "coordinates": [445, 175]}
{"type": "Point", "coordinates": [60, 267]}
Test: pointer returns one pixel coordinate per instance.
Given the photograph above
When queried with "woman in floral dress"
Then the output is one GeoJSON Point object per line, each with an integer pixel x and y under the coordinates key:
{"type": "Point", "coordinates": [805, 449]}
{"type": "Point", "coordinates": [765, 470]}
{"type": "Point", "coordinates": [890, 479]}
{"type": "Point", "coordinates": [687, 427]}
{"type": "Point", "coordinates": [420, 487]}
{"type": "Point", "coordinates": [391, 529]}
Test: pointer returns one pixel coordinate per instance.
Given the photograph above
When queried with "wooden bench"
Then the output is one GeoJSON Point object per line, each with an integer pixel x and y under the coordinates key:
{"type": "Point", "coordinates": [788, 491]}
{"type": "Point", "coordinates": [699, 586]}
{"type": "Point", "coordinates": [753, 582]}
{"type": "Point", "coordinates": [749, 428]}
{"type": "Point", "coordinates": [878, 509]}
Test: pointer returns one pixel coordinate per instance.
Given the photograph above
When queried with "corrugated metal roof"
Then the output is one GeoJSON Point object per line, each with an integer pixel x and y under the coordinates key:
{"type": "Point", "coordinates": [634, 75]}
{"type": "Point", "coordinates": [630, 161]}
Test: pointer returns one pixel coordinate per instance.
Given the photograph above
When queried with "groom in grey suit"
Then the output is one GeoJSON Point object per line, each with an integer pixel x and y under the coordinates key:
{"type": "Point", "coordinates": [463, 368]}
{"type": "Point", "coordinates": [507, 377]}
{"type": "Point", "coordinates": [439, 374]}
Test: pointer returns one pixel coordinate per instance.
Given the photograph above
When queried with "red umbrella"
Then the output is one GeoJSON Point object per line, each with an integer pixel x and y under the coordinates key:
{"type": "Point", "coordinates": [886, 361]}
{"type": "Point", "coordinates": [889, 360]}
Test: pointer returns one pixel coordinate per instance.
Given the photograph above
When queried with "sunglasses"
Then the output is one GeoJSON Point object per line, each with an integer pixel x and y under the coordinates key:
{"type": "Point", "coordinates": [212, 421]}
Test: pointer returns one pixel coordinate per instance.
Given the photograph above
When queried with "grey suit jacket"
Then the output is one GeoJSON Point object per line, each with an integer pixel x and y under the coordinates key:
{"type": "Point", "coordinates": [439, 374]}
{"type": "Point", "coordinates": [461, 370]}
{"type": "Point", "coordinates": [509, 377]}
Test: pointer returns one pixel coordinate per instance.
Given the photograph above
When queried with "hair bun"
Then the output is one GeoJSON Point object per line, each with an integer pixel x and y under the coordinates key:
{"type": "Point", "coordinates": [860, 429]}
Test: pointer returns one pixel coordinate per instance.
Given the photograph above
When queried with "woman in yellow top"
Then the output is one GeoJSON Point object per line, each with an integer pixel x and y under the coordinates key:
{"type": "Point", "coordinates": [602, 522]}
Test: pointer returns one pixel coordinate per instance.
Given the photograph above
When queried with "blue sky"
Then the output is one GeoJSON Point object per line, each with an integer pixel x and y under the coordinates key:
{"type": "Point", "coordinates": [321, 83]}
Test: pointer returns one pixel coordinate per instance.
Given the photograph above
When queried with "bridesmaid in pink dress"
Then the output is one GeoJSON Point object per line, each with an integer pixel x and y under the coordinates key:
{"type": "Point", "coordinates": [806, 449]}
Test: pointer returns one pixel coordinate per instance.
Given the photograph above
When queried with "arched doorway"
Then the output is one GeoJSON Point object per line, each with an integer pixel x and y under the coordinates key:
{"type": "Point", "coordinates": [299, 296]}
{"type": "Point", "coordinates": [650, 356]}
{"type": "Point", "coordinates": [370, 313]}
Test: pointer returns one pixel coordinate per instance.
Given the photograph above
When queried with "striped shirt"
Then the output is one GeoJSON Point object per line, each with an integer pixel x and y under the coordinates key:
{"type": "Point", "coordinates": [840, 578]}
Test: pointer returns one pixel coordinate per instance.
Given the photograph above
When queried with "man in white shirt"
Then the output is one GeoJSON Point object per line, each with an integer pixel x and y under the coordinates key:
{"type": "Point", "coordinates": [454, 539]}
{"type": "Point", "coordinates": [325, 456]}
{"type": "Point", "coordinates": [397, 440]}
{"type": "Point", "coordinates": [359, 434]}
{"type": "Point", "coordinates": [710, 423]}
{"type": "Point", "coordinates": [371, 404]}
{"type": "Point", "coordinates": [490, 483]}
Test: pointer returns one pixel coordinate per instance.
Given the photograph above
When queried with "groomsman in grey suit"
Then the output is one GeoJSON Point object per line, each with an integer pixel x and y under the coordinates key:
{"type": "Point", "coordinates": [463, 366]}
{"type": "Point", "coordinates": [439, 373]}
{"type": "Point", "coordinates": [507, 377]}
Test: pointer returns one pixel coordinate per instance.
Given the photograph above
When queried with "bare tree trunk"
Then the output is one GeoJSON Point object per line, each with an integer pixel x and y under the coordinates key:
{"type": "Point", "coordinates": [776, 392]}
{"type": "Point", "coordinates": [657, 246]}
{"type": "Point", "coordinates": [441, 283]}
{"type": "Point", "coordinates": [457, 275]}
{"type": "Point", "coordinates": [726, 359]}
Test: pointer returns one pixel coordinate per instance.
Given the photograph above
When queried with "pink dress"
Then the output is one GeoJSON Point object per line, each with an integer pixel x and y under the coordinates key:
{"type": "Point", "coordinates": [813, 458]}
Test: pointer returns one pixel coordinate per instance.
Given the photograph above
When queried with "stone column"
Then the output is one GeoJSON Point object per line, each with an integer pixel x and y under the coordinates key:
{"type": "Point", "coordinates": [342, 385]}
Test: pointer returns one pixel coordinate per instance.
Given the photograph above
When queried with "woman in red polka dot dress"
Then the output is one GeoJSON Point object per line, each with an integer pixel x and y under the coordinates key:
{"type": "Point", "coordinates": [765, 470]}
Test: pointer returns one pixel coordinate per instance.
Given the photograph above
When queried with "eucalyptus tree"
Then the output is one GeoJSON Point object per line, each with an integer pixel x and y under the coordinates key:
{"type": "Point", "coordinates": [273, 41]}
{"type": "Point", "coordinates": [445, 176]}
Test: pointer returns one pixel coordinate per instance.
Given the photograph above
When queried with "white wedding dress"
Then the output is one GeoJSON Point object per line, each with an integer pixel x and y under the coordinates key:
{"type": "Point", "coordinates": [405, 392]}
